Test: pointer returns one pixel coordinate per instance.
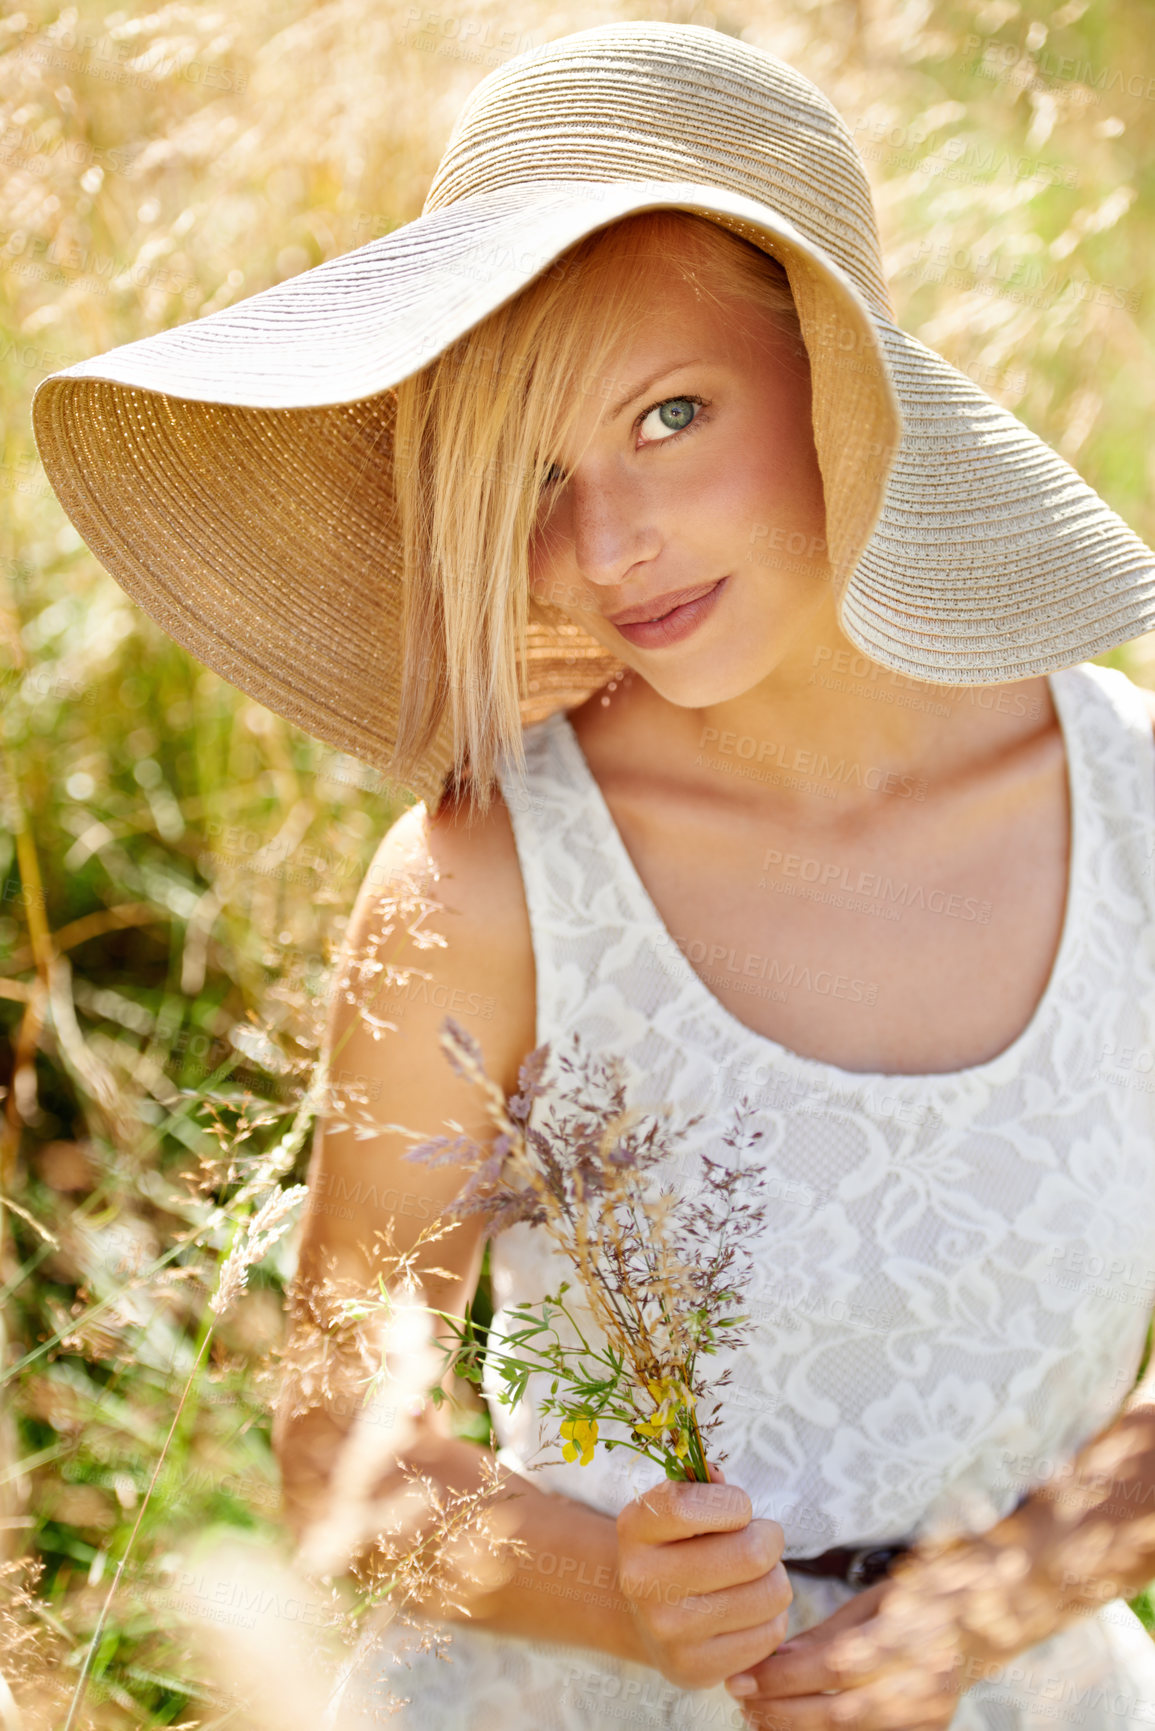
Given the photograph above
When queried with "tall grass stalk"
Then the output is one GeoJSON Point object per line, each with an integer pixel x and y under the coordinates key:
{"type": "Point", "coordinates": [176, 863]}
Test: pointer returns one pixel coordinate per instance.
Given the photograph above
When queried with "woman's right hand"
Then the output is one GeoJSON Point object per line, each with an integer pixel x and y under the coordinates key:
{"type": "Point", "coordinates": [704, 1581]}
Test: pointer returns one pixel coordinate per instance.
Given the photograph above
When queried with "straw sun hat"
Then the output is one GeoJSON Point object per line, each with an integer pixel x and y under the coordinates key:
{"type": "Point", "coordinates": [233, 473]}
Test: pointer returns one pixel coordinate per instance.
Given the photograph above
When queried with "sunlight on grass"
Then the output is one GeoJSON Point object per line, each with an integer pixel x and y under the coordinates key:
{"type": "Point", "coordinates": [177, 863]}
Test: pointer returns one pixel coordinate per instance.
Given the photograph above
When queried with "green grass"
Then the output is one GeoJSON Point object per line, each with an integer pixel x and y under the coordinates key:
{"type": "Point", "coordinates": [237, 150]}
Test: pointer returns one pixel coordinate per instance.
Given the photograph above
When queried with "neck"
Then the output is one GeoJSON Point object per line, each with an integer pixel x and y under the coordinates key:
{"type": "Point", "coordinates": [830, 716]}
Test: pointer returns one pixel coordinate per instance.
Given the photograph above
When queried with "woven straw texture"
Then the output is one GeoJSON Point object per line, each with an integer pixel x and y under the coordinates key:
{"type": "Point", "coordinates": [234, 474]}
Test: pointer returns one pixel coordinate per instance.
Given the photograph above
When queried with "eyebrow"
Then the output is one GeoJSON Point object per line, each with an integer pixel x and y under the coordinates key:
{"type": "Point", "coordinates": [645, 385]}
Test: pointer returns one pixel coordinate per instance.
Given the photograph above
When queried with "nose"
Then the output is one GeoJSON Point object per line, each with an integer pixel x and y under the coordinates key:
{"type": "Point", "coordinates": [612, 524]}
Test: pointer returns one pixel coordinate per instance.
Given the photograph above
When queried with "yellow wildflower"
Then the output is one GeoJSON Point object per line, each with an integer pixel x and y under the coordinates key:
{"type": "Point", "coordinates": [671, 1388]}
{"type": "Point", "coordinates": [583, 1434]}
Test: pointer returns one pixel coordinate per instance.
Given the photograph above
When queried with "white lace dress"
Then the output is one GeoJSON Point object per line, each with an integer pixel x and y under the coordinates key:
{"type": "Point", "coordinates": [956, 1273]}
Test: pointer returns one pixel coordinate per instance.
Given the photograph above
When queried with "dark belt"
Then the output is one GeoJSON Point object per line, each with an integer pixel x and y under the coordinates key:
{"type": "Point", "coordinates": [861, 1568]}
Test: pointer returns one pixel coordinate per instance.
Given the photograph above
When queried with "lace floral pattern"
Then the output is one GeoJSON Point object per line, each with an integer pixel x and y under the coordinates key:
{"type": "Point", "coordinates": [958, 1269]}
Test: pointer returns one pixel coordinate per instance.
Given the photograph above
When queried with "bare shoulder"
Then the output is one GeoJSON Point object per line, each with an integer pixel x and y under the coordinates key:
{"type": "Point", "coordinates": [439, 928]}
{"type": "Point", "coordinates": [467, 868]}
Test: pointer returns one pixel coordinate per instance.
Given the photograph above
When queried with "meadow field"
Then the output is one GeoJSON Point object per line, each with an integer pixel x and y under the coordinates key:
{"type": "Point", "coordinates": [177, 862]}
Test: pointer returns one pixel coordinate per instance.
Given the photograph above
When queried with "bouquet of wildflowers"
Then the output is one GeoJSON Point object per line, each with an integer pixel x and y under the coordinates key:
{"type": "Point", "coordinates": [661, 1273]}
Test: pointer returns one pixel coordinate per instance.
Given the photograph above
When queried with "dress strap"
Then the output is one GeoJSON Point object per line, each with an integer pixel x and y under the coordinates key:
{"type": "Point", "coordinates": [549, 812]}
{"type": "Point", "coordinates": [1114, 740]}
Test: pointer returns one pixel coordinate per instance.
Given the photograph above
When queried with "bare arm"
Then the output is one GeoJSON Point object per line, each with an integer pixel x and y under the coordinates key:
{"type": "Point", "coordinates": [705, 1593]}
{"type": "Point", "coordinates": [567, 1589]}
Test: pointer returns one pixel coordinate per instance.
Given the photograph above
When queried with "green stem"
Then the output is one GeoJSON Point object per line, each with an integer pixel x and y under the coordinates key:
{"type": "Point", "coordinates": [94, 1643]}
{"type": "Point", "coordinates": [75, 1322]}
{"type": "Point", "coordinates": [507, 1358]}
{"type": "Point", "coordinates": [698, 1451]}
{"type": "Point", "coordinates": [576, 1329]}
{"type": "Point", "coordinates": [180, 1434]}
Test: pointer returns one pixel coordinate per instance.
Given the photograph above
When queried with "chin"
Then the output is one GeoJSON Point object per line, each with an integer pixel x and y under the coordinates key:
{"type": "Point", "coordinates": [703, 686]}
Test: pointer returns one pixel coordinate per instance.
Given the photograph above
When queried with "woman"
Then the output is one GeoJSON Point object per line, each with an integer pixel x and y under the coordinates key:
{"type": "Point", "coordinates": [818, 807]}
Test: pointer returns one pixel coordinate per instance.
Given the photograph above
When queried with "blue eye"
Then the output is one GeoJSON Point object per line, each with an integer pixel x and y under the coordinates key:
{"type": "Point", "coordinates": [673, 416]}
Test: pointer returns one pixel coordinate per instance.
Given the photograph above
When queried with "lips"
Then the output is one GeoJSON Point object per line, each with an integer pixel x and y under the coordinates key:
{"type": "Point", "coordinates": [659, 606]}
{"type": "Point", "coordinates": [676, 625]}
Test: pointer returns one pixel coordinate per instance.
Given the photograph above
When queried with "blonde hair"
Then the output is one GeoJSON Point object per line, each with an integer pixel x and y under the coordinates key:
{"type": "Point", "coordinates": [474, 436]}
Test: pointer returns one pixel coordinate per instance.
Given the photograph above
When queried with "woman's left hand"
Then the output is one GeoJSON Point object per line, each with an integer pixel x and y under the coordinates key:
{"type": "Point", "coordinates": [899, 1654]}
{"type": "Point", "coordinates": [877, 1685]}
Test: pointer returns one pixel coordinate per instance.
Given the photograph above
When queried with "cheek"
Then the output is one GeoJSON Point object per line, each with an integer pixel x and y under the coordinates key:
{"type": "Point", "coordinates": [775, 423]}
{"type": "Point", "coordinates": [771, 481]}
{"type": "Point", "coordinates": [740, 491]}
{"type": "Point", "coordinates": [549, 582]}
{"type": "Point", "coordinates": [546, 546]}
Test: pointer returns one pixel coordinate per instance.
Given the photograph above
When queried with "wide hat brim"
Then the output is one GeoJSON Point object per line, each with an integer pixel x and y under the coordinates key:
{"type": "Point", "coordinates": [234, 475]}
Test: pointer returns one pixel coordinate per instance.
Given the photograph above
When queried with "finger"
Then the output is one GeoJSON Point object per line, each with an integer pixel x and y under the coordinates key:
{"type": "Point", "coordinates": [809, 1714]}
{"type": "Point", "coordinates": [842, 1652]}
{"type": "Point", "coordinates": [842, 1660]}
{"type": "Point", "coordinates": [710, 1563]}
{"type": "Point", "coordinates": [716, 1473]}
{"type": "Point", "coordinates": [856, 1710]}
{"type": "Point", "coordinates": [721, 1655]}
{"type": "Point", "coordinates": [860, 1609]}
{"type": "Point", "coordinates": [857, 1610]}
{"type": "Point", "coordinates": [816, 1713]}
{"type": "Point", "coordinates": [915, 1699]}
{"type": "Point", "coordinates": [676, 1509]}
{"type": "Point", "coordinates": [914, 1702]}
{"type": "Point", "coordinates": [743, 1607]}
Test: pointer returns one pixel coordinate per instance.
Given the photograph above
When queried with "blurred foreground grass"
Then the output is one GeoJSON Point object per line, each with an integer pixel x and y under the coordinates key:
{"type": "Point", "coordinates": [176, 862]}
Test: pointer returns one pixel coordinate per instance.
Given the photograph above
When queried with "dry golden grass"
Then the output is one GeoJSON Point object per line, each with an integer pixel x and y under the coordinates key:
{"type": "Point", "coordinates": [176, 862]}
